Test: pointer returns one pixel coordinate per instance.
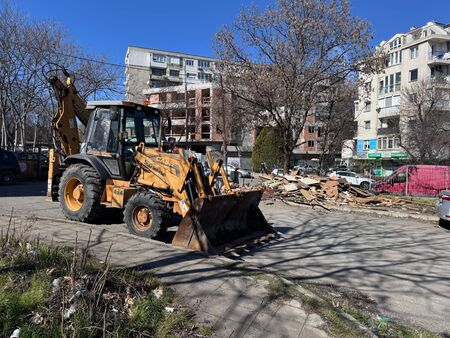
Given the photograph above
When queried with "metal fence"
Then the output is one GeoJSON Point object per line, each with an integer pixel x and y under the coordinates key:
{"type": "Point", "coordinates": [416, 180]}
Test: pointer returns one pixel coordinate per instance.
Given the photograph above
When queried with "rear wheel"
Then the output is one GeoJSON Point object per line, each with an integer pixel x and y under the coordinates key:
{"type": "Point", "coordinates": [146, 215]}
{"type": "Point", "coordinates": [7, 177]}
{"type": "Point", "coordinates": [365, 185]}
{"type": "Point", "coordinates": [80, 193]}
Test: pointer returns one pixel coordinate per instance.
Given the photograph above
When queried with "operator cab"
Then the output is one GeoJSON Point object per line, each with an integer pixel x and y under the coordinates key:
{"type": "Point", "coordinates": [114, 129]}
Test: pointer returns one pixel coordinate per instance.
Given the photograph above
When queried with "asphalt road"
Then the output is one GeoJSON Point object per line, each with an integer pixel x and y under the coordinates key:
{"type": "Point", "coordinates": [402, 264]}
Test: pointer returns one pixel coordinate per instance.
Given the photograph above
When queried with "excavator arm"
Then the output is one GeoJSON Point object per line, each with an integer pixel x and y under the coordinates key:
{"type": "Point", "coordinates": [70, 107]}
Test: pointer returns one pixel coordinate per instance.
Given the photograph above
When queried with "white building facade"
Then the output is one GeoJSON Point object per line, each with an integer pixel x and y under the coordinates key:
{"type": "Point", "coordinates": [152, 68]}
{"type": "Point", "coordinates": [419, 55]}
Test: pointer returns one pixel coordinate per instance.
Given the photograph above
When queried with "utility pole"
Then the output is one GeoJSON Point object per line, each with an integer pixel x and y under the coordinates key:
{"type": "Point", "coordinates": [224, 122]}
{"type": "Point", "coordinates": [186, 103]}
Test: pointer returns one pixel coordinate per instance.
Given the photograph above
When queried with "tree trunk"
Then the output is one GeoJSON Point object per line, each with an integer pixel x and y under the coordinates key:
{"type": "Point", "coordinates": [286, 159]}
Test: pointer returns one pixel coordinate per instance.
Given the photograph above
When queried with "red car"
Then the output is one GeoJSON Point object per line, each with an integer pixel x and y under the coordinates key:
{"type": "Point", "coordinates": [416, 180]}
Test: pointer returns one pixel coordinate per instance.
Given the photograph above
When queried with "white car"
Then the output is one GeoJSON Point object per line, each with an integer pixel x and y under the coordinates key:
{"type": "Point", "coordinates": [277, 172]}
{"type": "Point", "coordinates": [354, 179]}
{"type": "Point", "coordinates": [443, 208]}
{"type": "Point", "coordinates": [241, 172]}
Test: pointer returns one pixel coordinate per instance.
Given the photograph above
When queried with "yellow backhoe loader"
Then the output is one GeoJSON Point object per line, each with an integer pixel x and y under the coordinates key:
{"type": "Point", "coordinates": [124, 162]}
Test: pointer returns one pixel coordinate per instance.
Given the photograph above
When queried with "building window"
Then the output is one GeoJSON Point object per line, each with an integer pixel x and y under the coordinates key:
{"type": "Point", "coordinates": [395, 58]}
{"type": "Point", "coordinates": [413, 75]}
{"type": "Point", "coordinates": [388, 102]}
{"type": "Point", "coordinates": [311, 129]}
{"type": "Point", "coordinates": [159, 58]}
{"type": "Point", "coordinates": [205, 77]}
{"type": "Point", "coordinates": [391, 142]}
{"type": "Point", "coordinates": [191, 75]}
{"type": "Point", "coordinates": [366, 124]}
{"type": "Point", "coordinates": [366, 144]}
{"type": "Point", "coordinates": [311, 143]}
{"type": "Point", "coordinates": [203, 64]}
{"type": "Point", "coordinates": [159, 71]}
{"type": "Point", "coordinates": [189, 62]}
{"type": "Point", "coordinates": [367, 107]}
{"type": "Point", "coordinates": [398, 80]}
{"type": "Point", "coordinates": [174, 60]}
{"type": "Point", "coordinates": [175, 73]}
{"type": "Point", "coordinates": [395, 43]}
{"type": "Point", "coordinates": [319, 131]}
{"type": "Point", "coordinates": [414, 52]}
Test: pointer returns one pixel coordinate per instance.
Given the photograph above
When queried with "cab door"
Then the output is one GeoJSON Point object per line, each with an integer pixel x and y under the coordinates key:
{"type": "Point", "coordinates": [102, 140]}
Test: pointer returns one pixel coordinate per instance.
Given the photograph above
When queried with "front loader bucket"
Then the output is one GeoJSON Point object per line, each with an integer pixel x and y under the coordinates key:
{"type": "Point", "coordinates": [216, 224]}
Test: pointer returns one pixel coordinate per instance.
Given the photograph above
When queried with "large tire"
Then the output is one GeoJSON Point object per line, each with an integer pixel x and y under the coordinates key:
{"type": "Point", "coordinates": [146, 215]}
{"type": "Point", "coordinates": [80, 193]}
{"type": "Point", "coordinates": [7, 177]}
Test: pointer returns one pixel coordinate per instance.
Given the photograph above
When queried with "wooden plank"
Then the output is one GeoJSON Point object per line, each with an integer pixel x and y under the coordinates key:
{"type": "Point", "coordinates": [290, 187]}
{"type": "Point", "coordinates": [309, 181]}
{"type": "Point", "coordinates": [307, 195]}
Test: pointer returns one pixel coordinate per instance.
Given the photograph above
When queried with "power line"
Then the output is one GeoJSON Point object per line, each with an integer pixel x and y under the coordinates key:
{"type": "Point", "coordinates": [83, 58]}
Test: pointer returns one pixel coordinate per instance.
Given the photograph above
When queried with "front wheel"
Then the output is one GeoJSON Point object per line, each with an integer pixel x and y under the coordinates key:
{"type": "Point", "coordinates": [7, 177]}
{"type": "Point", "coordinates": [146, 215]}
{"type": "Point", "coordinates": [80, 193]}
{"type": "Point", "coordinates": [365, 185]}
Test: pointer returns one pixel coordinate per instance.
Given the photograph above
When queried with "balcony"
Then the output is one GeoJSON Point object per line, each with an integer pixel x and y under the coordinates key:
{"type": "Point", "coordinates": [206, 100]}
{"type": "Point", "coordinates": [388, 111]}
{"type": "Point", "coordinates": [439, 58]}
{"type": "Point", "coordinates": [389, 89]}
{"type": "Point", "coordinates": [389, 130]}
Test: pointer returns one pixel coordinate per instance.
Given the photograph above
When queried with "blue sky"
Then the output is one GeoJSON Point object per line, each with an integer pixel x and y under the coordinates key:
{"type": "Point", "coordinates": [108, 27]}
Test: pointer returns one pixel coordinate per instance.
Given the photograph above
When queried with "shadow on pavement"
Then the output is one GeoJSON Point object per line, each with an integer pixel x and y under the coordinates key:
{"type": "Point", "coordinates": [24, 189]}
{"type": "Point", "coordinates": [403, 264]}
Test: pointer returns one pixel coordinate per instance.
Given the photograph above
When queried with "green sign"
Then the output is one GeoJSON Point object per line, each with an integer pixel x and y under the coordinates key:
{"type": "Point", "coordinates": [399, 154]}
{"type": "Point", "coordinates": [374, 155]}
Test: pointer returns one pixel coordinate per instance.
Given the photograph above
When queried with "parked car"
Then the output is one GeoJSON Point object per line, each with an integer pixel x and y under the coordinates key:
{"type": "Point", "coordinates": [354, 179]}
{"type": "Point", "coordinates": [443, 208]}
{"type": "Point", "coordinates": [416, 180]}
{"type": "Point", "coordinates": [307, 169]}
{"type": "Point", "coordinates": [241, 172]}
{"type": "Point", "coordinates": [339, 168]}
{"type": "Point", "coordinates": [9, 167]}
{"type": "Point", "coordinates": [278, 172]}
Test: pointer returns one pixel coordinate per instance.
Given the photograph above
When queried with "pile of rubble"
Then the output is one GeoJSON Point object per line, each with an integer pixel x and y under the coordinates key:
{"type": "Point", "coordinates": [323, 191]}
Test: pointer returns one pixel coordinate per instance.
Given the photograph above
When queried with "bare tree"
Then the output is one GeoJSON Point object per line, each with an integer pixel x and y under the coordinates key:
{"type": "Point", "coordinates": [26, 100]}
{"type": "Point", "coordinates": [334, 119]}
{"type": "Point", "coordinates": [425, 121]}
{"type": "Point", "coordinates": [278, 62]}
{"type": "Point", "coordinates": [226, 117]}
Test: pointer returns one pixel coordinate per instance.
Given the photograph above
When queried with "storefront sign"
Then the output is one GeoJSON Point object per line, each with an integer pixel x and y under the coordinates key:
{"type": "Point", "coordinates": [374, 155]}
{"type": "Point", "coordinates": [399, 154]}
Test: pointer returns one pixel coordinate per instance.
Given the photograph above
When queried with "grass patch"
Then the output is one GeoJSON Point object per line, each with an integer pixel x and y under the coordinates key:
{"type": "Point", "coordinates": [336, 303]}
{"type": "Point", "coordinates": [51, 291]}
{"type": "Point", "coordinates": [365, 311]}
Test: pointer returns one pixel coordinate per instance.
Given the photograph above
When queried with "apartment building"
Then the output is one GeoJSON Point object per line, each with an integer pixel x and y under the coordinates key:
{"type": "Point", "coordinates": [153, 68]}
{"type": "Point", "coordinates": [182, 85]}
{"type": "Point", "coordinates": [421, 54]}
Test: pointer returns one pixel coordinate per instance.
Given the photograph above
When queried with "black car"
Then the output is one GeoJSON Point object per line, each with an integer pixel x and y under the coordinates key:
{"type": "Point", "coordinates": [9, 167]}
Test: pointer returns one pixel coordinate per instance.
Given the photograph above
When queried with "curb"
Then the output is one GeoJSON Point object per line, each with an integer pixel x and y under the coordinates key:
{"type": "Point", "coordinates": [395, 214]}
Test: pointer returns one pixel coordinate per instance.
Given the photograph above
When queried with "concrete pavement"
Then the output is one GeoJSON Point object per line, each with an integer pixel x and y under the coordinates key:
{"type": "Point", "coordinates": [402, 264]}
{"type": "Point", "coordinates": [233, 303]}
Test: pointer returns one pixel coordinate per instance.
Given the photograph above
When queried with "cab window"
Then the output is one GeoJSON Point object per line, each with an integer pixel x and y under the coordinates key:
{"type": "Point", "coordinates": [103, 135]}
{"type": "Point", "coordinates": [142, 127]}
